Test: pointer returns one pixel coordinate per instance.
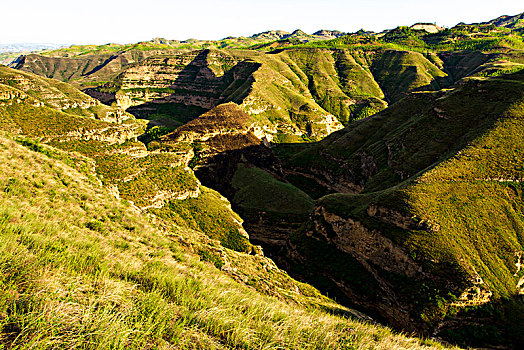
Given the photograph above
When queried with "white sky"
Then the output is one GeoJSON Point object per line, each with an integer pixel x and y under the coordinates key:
{"type": "Point", "coordinates": [127, 21]}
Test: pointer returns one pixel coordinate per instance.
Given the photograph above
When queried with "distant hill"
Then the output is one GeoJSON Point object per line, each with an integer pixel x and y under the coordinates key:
{"type": "Point", "coordinates": [513, 22]}
{"type": "Point", "coordinates": [27, 47]}
{"type": "Point", "coordinates": [9, 52]}
{"type": "Point", "coordinates": [428, 27]}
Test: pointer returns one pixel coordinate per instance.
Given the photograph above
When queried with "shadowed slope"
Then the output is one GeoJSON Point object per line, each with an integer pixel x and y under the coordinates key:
{"type": "Point", "coordinates": [436, 211]}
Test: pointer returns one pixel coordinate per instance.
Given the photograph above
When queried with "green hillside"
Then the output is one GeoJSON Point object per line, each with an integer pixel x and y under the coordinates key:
{"type": "Point", "coordinates": [299, 92]}
{"type": "Point", "coordinates": [411, 205]}
{"type": "Point", "coordinates": [148, 180]}
{"type": "Point", "coordinates": [86, 265]}
{"type": "Point", "coordinates": [435, 180]}
{"type": "Point", "coordinates": [151, 184]}
{"type": "Point", "coordinates": [83, 270]}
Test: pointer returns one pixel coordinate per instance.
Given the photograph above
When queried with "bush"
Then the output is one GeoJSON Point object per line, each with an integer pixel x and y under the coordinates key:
{"type": "Point", "coordinates": [95, 225]}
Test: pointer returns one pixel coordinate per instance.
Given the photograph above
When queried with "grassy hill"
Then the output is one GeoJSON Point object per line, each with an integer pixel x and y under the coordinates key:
{"type": "Point", "coordinates": [86, 265]}
{"type": "Point", "coordinates": [148, 180]}
{"type": "Point", "coordinates": [432, 209]}
{"type": "Point", "coordinates": [385, 169]}
{"type": "Point", "coordinates": [297, 93]}
{"type": "Point", "coordinates": [81, 269]}
{"type": "Point", "coordinates": [414, 214]}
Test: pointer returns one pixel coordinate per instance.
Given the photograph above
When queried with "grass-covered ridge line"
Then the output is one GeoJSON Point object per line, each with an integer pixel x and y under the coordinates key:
{"type": "Point", "coordinates": [460, 37]}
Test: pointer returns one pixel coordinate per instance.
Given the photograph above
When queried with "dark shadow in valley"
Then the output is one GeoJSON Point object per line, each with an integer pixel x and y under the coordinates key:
{"type": "Point", "coordinates": [281, 231]}
{"type": "Point", "coordinates": [494, 325]}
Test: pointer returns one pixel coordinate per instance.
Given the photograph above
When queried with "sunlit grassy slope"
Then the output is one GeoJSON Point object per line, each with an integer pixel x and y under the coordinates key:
{"type": "Point", "coordinates": [438, 174]}
{"type": "Point", "coordinates": [81, 269]}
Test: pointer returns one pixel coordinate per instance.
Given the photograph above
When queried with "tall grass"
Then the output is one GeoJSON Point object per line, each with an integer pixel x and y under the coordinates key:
{"type": "Point", "coordinates": [123, 284]}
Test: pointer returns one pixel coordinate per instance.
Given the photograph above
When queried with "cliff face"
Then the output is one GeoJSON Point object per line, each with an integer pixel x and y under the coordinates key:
{"type": "Point", "coordinates": [175, 89]}
{"type": "Point", "coordinates": [84, 70]}
{"type": "Point", "coordinates": [197, 79]}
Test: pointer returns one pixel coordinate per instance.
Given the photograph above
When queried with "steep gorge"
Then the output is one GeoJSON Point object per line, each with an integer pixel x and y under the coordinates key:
{"type": "Point", "coordinates": [392, 213]}
{"type": "Point", "coordinates": [404, 223]}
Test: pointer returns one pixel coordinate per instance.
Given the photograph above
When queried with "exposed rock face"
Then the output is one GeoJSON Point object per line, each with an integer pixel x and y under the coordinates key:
{"type": "Point", "coordinates": [112, 135]}
{"type": "Point", "coordinates": [271, 35]}
{"type": "Point", "coordinates": [84, 68]}
{"type": "Point", "coordinates": [201, 80]}
{"type": "Point", "coordinates": [299, 35]}
{"type": "Point", "coordinates": [428, 27]}
{"type": "Point", "coordinates": [380, 257]}
{"type": "Point", "coordinates": [225, 120]}
{"type": "Point", "coordinates": [162, 197]}
{"type": "Point", "coordinates": [196, 79]}
{"type": "Point", "coordinates": [330, 34]}
{"type": "Point", "coordinates": [368, 246]}
{"type": "Point", "coordinates": [225, 136]}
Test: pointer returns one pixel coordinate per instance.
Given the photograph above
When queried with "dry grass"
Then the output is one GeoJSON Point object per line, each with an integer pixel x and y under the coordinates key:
{"type": "Point", "coordinates": [122, 283]}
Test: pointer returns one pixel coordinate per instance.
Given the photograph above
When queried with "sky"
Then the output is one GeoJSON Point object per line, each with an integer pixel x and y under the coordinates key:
{"type": "Point", "coordinates": [129, 21]}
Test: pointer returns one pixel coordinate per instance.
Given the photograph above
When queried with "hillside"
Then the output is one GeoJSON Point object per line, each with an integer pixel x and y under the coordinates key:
{"type": "Point", "coordinates": [383, 169]}
{"type": "Point", "coordinates": [81, 268]}
{"type": "Point", "coordinates": [415, 201]}
{"type": "Point", "coordinates": [149, 180]}
{"type": "Point", "coordinates": [301, 91]}
{"type": "Point", "coordinates": [85, 263]}
{"type": "Point", "coordinates": [514, 22]}
{"type": "Point", "coordinates": [95, 63]}
{"type": "Point", "coordinates": [297, 94]}
{"type": "Point", "coordinates": [9, 52]}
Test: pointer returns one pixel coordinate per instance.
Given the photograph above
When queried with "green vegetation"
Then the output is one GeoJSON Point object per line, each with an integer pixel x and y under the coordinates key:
{"type": "Point", "coordinates": [414, 212]}
{"type": "Point", "coordinates": [121, 283]}
{"type": "Point", "coordinates": [148, 180]}
{"type": "Point", "coordinates": [460, 37]}
{"type": "Point", "coordinates": [208, 213]}
{"type": "Point", "coordinates": [446, 167]}
{"type": "Point", "coordinates": [79, 265]}
{"type": "Point", "coordinates": [258, 191]}
{"type": "Point", "coordinates": [154, 133]}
